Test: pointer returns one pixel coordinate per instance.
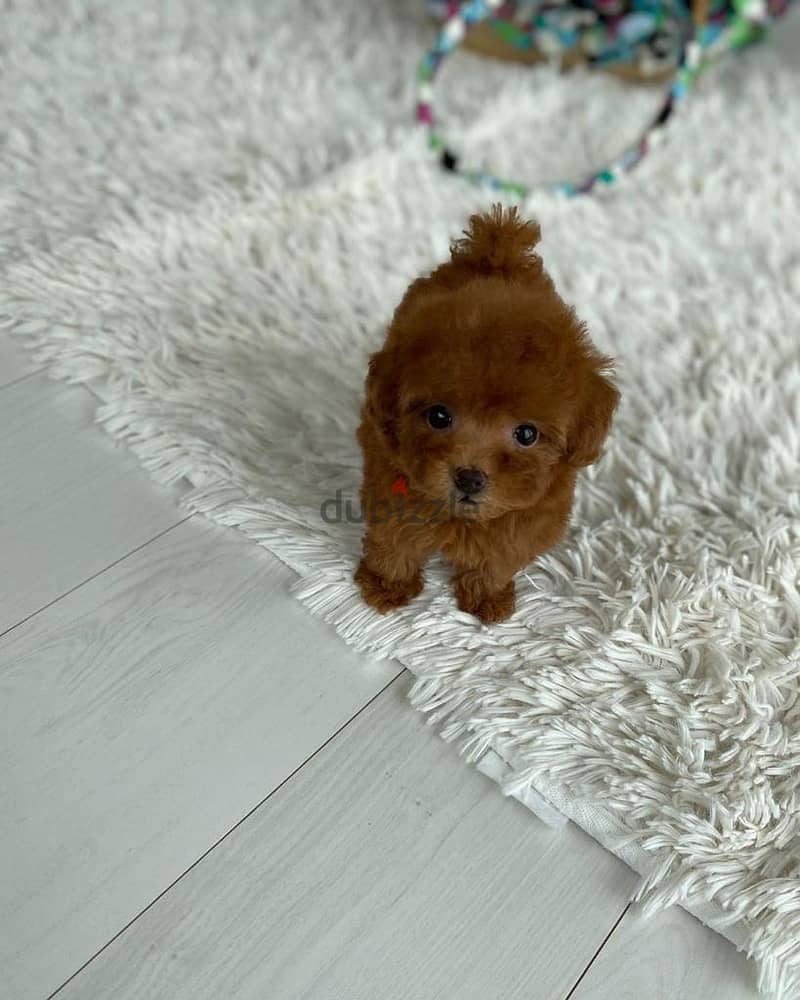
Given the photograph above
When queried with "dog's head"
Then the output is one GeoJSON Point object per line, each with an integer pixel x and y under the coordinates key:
{"type": "Point", "coordinates": [488, 381]}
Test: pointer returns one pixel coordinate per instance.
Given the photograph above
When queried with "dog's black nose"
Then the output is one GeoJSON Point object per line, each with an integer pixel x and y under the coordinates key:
{"type": "Point", "coordinates": [470, 481]}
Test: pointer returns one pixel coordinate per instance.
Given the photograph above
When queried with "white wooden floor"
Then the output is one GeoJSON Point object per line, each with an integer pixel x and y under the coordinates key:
{"type": "Point", "coordinates": [205, 794]}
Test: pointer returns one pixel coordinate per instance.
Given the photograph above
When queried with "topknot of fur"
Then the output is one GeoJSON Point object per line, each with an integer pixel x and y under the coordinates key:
{"type": "Point", "coordinates": [499, 241]}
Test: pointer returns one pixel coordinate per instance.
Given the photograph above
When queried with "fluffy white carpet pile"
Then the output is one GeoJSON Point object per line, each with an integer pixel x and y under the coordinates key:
{"type": "Point", "coordinates": [208, 212]}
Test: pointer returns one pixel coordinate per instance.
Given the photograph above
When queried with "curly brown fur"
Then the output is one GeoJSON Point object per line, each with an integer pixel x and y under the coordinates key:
{"type": "Point", "coordinates": [487, 337]}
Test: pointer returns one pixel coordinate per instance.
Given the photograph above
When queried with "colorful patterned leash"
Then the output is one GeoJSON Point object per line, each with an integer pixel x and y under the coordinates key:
{"type": "Point", "coordinates": [745, 24]}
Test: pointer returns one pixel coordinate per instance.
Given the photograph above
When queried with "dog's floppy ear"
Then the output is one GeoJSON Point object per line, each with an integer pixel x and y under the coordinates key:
{"type": "Point", "coordinates": [596, 406]}
{"type": "Point", "coordinates": [381, 386]}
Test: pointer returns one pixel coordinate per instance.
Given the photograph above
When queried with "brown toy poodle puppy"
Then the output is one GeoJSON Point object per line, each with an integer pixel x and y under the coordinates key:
{"type": "Point", "coordinates": [485, 400]}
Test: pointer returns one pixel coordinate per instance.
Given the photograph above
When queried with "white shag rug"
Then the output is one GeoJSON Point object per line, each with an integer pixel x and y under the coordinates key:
{"type": "Point", "coordinates": [208, 212]}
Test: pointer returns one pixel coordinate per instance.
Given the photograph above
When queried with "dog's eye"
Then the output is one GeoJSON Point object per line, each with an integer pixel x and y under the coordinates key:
{"type": "Point", "coordinates": [526, 435]}
{"type": "Point", "coordinates": [439, 417]}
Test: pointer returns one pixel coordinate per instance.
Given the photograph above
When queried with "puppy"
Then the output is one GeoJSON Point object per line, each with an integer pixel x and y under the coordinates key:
{"type": "Point", "coordinates": [484, 402]}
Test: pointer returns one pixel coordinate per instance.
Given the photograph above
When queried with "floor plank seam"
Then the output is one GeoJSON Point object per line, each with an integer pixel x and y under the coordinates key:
{"type": "Point", "coordinates": [94, 576]}
{"type": "Point", "coordinates": [592, 960]}
{"type": "Point", "coordinates": [227, 833]}
{"type": "Point", "coordinates": [21, 378]}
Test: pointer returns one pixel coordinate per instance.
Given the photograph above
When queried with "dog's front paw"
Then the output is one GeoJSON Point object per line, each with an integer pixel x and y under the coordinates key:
{"type": "Point", "coordinates": [386, 595]}
{"type": "Point", "coordinates": [472, 597]}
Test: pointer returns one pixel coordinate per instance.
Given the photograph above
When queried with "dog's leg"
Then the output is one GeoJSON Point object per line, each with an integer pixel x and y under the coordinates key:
{"type": "Point", "coordinates": [484, 594]}
{"type": "Point", "coordinates": [484, 571]}
{"type": "Point", "coordinates": [390, 572]}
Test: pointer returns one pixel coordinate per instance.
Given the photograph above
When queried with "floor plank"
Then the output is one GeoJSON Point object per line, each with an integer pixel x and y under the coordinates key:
{"type": "Point", "coordinates": [386, 868]}
{"type": "Point", "coordinates": [671, 956]}
{"type": "Point", "coordinates": [141, 716]}
{"type": "Point", "coordinates": [14, 362]}
{"type": "Point", "coordinates": [71, 501]}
